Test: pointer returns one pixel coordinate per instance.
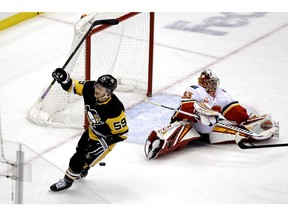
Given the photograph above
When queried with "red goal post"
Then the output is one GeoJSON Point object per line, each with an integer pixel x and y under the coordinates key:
{"type": "Point", "coordinates": [149, 40]}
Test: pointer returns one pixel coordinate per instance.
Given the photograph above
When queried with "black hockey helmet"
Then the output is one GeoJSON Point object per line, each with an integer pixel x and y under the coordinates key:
{"type": "Point", "coordinates": [108, 81]}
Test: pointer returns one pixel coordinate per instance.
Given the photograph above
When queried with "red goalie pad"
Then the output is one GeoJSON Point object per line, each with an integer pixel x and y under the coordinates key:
{"type": "Point", "coordinates": [170, 138]}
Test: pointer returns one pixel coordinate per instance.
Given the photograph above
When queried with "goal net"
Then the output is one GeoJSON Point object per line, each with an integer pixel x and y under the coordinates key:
{"type": "Point", "coordinates": [124, 50]}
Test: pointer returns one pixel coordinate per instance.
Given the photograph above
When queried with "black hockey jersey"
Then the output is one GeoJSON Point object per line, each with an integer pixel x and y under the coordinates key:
{"type": "Point", "coordinates": [105, 119]}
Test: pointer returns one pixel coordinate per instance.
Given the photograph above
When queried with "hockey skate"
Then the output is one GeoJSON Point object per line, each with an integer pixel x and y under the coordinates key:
{"type": "Point", "coordinates": [84, 173]}
{"type": "Point", "coordinates": [61, 185]}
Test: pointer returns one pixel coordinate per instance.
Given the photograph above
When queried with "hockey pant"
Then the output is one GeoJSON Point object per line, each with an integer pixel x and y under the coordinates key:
{"type": "Point", "coordinates": [83, 161]}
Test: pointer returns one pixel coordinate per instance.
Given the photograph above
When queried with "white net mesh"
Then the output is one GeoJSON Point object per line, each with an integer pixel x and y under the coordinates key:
{"type": "Point", "coordinates": [121, 50]}
{"type": "Point", "coordinates": [127, 51]}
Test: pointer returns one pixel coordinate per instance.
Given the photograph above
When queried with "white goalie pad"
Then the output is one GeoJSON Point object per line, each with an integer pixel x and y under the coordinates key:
{"type": "Point", "coordinates": [264, 127]}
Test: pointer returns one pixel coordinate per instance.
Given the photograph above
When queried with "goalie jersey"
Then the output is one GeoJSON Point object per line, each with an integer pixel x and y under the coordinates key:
{"type": "Point", "coordinates": [222, 102]}
{"type": "Point", "coordinates": [105, 119]}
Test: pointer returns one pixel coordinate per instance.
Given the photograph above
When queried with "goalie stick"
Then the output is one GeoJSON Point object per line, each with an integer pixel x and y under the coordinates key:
{"type": "Point", "coordinates": [171, 108]}
{"type": "Point", "coordinates": [250, 145]}
{"type": "Point", "coordinates": [95, 23]}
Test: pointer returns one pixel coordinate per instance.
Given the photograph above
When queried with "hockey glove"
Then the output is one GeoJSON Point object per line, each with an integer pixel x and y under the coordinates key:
{"type": "Point", "coordinates": [207, 116]}
{"type": "Point", "coordinates": [61, 76]}
{"type": "Point", "coordinates": [96, 148]}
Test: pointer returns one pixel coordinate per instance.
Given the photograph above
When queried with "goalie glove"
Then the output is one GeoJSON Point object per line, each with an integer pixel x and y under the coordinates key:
{"type": "Point", "coordinates": [207, 116]}
{"type": "Point", "coordinates": [263, 125]}
{"type": "Point", "coordinates": [61, 76]}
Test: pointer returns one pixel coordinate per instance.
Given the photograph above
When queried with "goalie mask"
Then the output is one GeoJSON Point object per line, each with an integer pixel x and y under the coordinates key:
{"type": "Point", "coordinates": [209, 81]}
{"type": "Point", "coordinates": [107, 81]}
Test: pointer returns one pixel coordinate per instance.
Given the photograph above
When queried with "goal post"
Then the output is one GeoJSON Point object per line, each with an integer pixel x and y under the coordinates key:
{"type": "Point", "coordinates": [138, 35]}
{"type": "Point", "coordinates": [124, 51]}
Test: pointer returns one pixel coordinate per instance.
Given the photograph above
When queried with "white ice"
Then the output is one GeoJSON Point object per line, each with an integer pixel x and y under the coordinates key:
{"type": "Point", "coordinates": [252, 62]}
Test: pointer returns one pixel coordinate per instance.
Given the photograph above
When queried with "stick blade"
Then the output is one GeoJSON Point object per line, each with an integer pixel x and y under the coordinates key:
{"type": "Point", "coordinates": [249, 145]}
{"type": "Point", "coordinates": [106, 22]}
{"type": "Point", "coordinates": [110, 22]}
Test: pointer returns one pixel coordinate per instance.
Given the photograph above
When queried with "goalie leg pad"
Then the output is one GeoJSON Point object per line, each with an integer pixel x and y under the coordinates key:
{"type": "Point", "coordinates": [153, 145]}
{"type": "Point", "coordinates": [264, 126]}
{"type": "Point", "coordinates": [170, 138]}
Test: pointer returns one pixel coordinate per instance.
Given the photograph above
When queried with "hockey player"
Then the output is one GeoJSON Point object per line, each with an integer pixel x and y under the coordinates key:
{"type": "Point", "coordinates": [106, 119]}
{"type": "Point", "coordinates": [202, 106]}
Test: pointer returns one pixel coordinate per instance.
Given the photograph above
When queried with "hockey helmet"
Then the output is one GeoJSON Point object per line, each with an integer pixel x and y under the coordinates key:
{"type": "Point", "coordinates": [208, 80]}
{"type": "Point", "coordinates": [108, 81]}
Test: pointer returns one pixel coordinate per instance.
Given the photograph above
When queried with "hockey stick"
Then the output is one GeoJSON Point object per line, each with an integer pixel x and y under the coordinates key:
{"type": "Point", "coordinates": [232, 127]}
{"type": "Point", "coordinates": [95, 23]}
{"type": "Point", "coordinates": [171, 108]}
{"type": "Point", "coordinates": [250, 145]}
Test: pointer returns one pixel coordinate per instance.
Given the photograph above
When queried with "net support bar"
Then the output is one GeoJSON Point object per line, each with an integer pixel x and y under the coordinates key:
{"type": "Point", "coordinates": [19, 176]}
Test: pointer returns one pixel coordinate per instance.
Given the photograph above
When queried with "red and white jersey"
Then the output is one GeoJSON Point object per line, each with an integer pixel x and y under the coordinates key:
{"type": "Point", "coordinates": [199, 94]}
{"type": "Point", "coordinates": [222, 102]}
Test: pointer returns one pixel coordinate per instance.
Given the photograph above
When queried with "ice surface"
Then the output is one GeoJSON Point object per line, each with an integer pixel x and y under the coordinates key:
{"type": "Point", "coordinates": [251, 59]}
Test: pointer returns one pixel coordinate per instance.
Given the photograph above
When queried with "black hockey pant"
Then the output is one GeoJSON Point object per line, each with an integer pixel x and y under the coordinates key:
{"type": "Point", "coordinates": [78, 161]}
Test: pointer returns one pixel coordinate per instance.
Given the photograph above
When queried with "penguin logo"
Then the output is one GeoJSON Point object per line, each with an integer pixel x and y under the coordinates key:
{"type": "Point", "coordinates": [93, 116]}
